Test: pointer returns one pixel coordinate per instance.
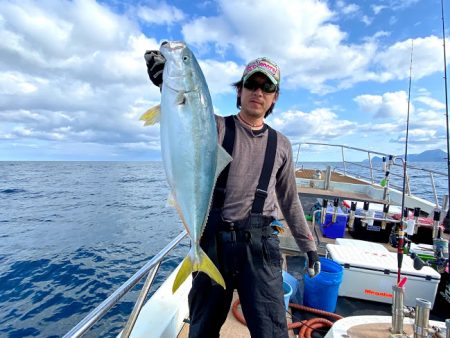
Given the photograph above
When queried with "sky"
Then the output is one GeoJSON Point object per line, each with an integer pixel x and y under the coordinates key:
{"type": "Point", "coordinates": [73, 80]}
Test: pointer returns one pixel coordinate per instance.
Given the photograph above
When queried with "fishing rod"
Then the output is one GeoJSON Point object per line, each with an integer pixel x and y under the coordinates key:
{"type": "Point", "coordinates": [447, 217]}
{"type": "Point", "coordinates": [401, 232]}
{"type": "Point", "coordinates": [446, 293]}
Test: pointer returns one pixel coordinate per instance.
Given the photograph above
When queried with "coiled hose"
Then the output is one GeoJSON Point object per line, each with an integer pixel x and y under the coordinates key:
{"type": "Point", "coordinates": [307, 326]}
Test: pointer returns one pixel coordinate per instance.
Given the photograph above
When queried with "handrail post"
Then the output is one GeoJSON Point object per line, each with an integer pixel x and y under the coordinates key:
{"type": "Point", "coordinates": [95, 315]}
{"type": "Point", "coordinates": [408, 184]}
{"type": "Point", "coordinates": [298, 154]}
{"type": "Point", "coordinates": [434, 190]}
{"type": "Point", "coordinates": [371, 167]}
{"type": "Point", "coordinates": [140, 302]}
{"type": "Point", "coordinates": [343, 161]}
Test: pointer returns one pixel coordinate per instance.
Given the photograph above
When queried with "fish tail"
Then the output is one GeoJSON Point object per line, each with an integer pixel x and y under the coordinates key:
{"type": "Point", "coordinates": [205, 265]}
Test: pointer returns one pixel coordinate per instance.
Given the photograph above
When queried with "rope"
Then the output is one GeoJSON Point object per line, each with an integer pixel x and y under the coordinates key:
{"type": "Point", "coordinates": [306, 326]}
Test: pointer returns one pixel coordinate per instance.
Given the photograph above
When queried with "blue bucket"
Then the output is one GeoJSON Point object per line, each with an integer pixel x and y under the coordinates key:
{"type": "Point", "coordinates": [287, 290]}
{"type": "Point", "coordinates": [321, 292]}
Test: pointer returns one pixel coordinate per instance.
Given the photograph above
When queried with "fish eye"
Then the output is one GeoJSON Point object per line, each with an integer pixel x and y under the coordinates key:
{"type": "Point", "coordinates": [185, 58]}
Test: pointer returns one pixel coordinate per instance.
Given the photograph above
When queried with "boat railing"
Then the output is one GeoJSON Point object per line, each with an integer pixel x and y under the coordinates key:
{"type": "Point", "coordinates": [369, 169]}
{"type": "Point", "coordinates": [150, 270]}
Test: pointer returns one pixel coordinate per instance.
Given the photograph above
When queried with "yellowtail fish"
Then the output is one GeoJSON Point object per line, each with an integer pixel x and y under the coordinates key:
{"type": "Point", "coordinates": [192, 157]}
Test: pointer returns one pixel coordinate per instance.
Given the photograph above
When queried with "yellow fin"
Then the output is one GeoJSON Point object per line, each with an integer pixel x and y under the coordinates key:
{"type": "Point", "coordinates": [205, 265]}
{"type": "Point", "coordinates": [151, 116]}
{"type": "Point", "coordinates": [171, 202]}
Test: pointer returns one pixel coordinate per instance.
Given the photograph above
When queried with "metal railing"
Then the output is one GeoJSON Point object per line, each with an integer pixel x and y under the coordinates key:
{"type": "Point", "coordinates": [150, 269]}
{"type": "Point", "coordinates": [372, 170]}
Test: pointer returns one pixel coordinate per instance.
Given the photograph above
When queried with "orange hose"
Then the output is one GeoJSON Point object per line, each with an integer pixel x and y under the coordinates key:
{"type": "Point", "coordinates": [311, 324]}
{"type": "Point", "coordinates": [307, 326]}
{"type": "Point", "coordinates": [316, 311]}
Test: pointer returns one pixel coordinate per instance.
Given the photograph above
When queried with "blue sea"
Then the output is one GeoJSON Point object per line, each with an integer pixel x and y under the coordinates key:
{"type": "Point", "coordinates": [72, 232]}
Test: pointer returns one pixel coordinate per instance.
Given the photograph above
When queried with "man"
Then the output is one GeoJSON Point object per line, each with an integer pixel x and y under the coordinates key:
{"type": "Point", "coordinates": [240, 236]}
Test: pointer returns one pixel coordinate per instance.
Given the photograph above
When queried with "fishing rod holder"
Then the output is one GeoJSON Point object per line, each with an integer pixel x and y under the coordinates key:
{"type": "Point", "coordinates": [351, 216]}
{"type": "Point", "coordinates": [398, 314]}
{"type": "Point", "coordinates": [421, 322]}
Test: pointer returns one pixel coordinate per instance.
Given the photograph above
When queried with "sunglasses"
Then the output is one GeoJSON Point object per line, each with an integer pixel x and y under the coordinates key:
{"type": "Point", "coordinates": [266, 87]}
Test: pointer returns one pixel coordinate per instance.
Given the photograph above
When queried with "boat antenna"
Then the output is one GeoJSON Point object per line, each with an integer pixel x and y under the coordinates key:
{"type": "Point", "coordinates": [401, 232]}
{"type": "Point", "coordinates": [447, 216]}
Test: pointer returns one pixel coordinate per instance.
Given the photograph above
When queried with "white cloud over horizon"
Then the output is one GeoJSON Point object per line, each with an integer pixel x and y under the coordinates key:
{"type": "Point", "coordinates": [72, 72]}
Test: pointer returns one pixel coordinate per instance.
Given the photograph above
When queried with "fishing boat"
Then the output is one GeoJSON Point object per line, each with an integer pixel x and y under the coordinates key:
{"type": "Point", "coordinates": [359, 192]}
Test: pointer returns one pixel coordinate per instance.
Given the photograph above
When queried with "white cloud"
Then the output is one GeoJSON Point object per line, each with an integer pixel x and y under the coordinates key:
{"type": "Point", "coordinates": [313, 52]}
{"type": "Point", "coordinates": [72, 71]}
{"type": "Point", "coordinates": [395, 60]}
{"type": "Point", "coordinates": [401, 4]}
{"type": "Point", "coordinates": [347, 9]}
{"type": "Point", "coordinates": [161, 15]}
{"type": "Point", "coordinates": [391, 104]}
{"type": "Point", "coordinates": [366, 20]}
{"type": "Point", "coordinates": [318, 125]}
{"type": "Point", "coordinates": [220, 75]}
{"type": "Point", "coordinates": [430, 102]}
{"type": "Point", "coordinates": [378, 8]}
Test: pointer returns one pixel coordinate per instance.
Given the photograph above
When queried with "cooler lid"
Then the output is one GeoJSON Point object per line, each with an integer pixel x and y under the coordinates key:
{"type": "Point", "coordinates": [365, 245]}
{"type": "Point", "coordinates": [385, 262]}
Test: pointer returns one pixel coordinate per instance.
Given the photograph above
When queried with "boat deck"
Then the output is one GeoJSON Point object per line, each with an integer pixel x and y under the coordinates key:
{"type": "Point", "coordinates": [315, 189]}
{"type": "Point", "coordinates": [232, 327]}
{"type": "Point", "coordinates": [336, 177]}
{"type": "Point", "coordinates": [345, 306]}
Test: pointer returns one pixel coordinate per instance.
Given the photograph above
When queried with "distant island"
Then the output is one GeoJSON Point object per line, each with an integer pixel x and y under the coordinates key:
{"type": "Point", "coordinates": [436, 155]}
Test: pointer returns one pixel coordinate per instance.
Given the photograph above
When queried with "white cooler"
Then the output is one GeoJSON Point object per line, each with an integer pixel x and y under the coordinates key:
{"type": "Point", "coordinates": [363, 245]}
{"type": "Point", "coordinates": [370, 275]}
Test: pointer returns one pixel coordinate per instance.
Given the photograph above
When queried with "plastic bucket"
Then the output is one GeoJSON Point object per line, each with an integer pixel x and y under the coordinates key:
{"type": "Point", "coordinates": [321, 292]}
{"type": "Point", "coordinates": [287, 290]}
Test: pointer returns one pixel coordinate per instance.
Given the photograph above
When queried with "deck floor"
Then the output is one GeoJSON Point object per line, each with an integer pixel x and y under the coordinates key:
{"type": "Point", "coordinates": [335, 177]}
{"type": "Point", "coordinates": [232, 327]}
{"type": "Point", "coordinates": [346, 306]}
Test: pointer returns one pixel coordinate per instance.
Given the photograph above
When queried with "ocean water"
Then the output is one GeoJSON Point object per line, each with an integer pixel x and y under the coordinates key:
{"type": "Point", "coordinates": [72, 232]}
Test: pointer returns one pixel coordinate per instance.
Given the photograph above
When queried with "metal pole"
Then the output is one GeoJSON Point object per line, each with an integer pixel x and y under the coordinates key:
{"type": "Point", "coordinates": [401, 233]}
{"type": "Point", "coordinates": [298, 154]}
{"type": "Point", "coordinates": [371, 168]}
{"type": "Point", "coordinates": [140, 302]}
{"type": "Point", "coordinates": [434, 190]}
{"type": "Point", "coordinates": [343, 161]}
{"type": "Point", "coordinates": [447, 217]}
{"type": "Point", "coordinates": [87, 322]}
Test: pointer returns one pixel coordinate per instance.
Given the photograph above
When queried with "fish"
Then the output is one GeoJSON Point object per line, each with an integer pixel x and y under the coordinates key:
{"type": "Point", "coordinates": [192, 155]}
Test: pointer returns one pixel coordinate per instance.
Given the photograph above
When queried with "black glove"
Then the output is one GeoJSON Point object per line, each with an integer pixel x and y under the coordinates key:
{"type": "Point", "coordinates": [155, 65]}
{"type": "Point", "coordinates": [313, 263]}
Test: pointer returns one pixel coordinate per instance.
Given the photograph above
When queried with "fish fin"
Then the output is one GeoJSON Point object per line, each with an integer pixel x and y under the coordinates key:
{"type": "Point", "coordinates": [185, 269]}
{"type": "Point", "coordinates": [171, 200]}
{"type": "Point", "coordinates": [205, 265]}
{"type": "Point", "coordinates": [151, 116]}
{"type": "Point", "coordinates": [180, 98]}
{"type": "Point", "coordinates": [223, 158]}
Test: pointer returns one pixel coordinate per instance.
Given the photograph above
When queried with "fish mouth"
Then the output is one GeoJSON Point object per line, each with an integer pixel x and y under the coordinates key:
{"type": "Point", "coordinates": [172, 45]}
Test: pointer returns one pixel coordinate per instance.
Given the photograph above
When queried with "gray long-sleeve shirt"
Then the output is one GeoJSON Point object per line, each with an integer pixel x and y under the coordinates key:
{"type": "Point", "coordinates": [248, 157]}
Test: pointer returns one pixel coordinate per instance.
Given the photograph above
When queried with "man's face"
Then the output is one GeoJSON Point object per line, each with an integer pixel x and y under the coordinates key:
{"type": "Point", "coordinates": [255, 100]}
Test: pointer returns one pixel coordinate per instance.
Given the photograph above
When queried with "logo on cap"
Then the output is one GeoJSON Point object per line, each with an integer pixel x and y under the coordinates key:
{"type": "Point", "coordinates": [263, 65]}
